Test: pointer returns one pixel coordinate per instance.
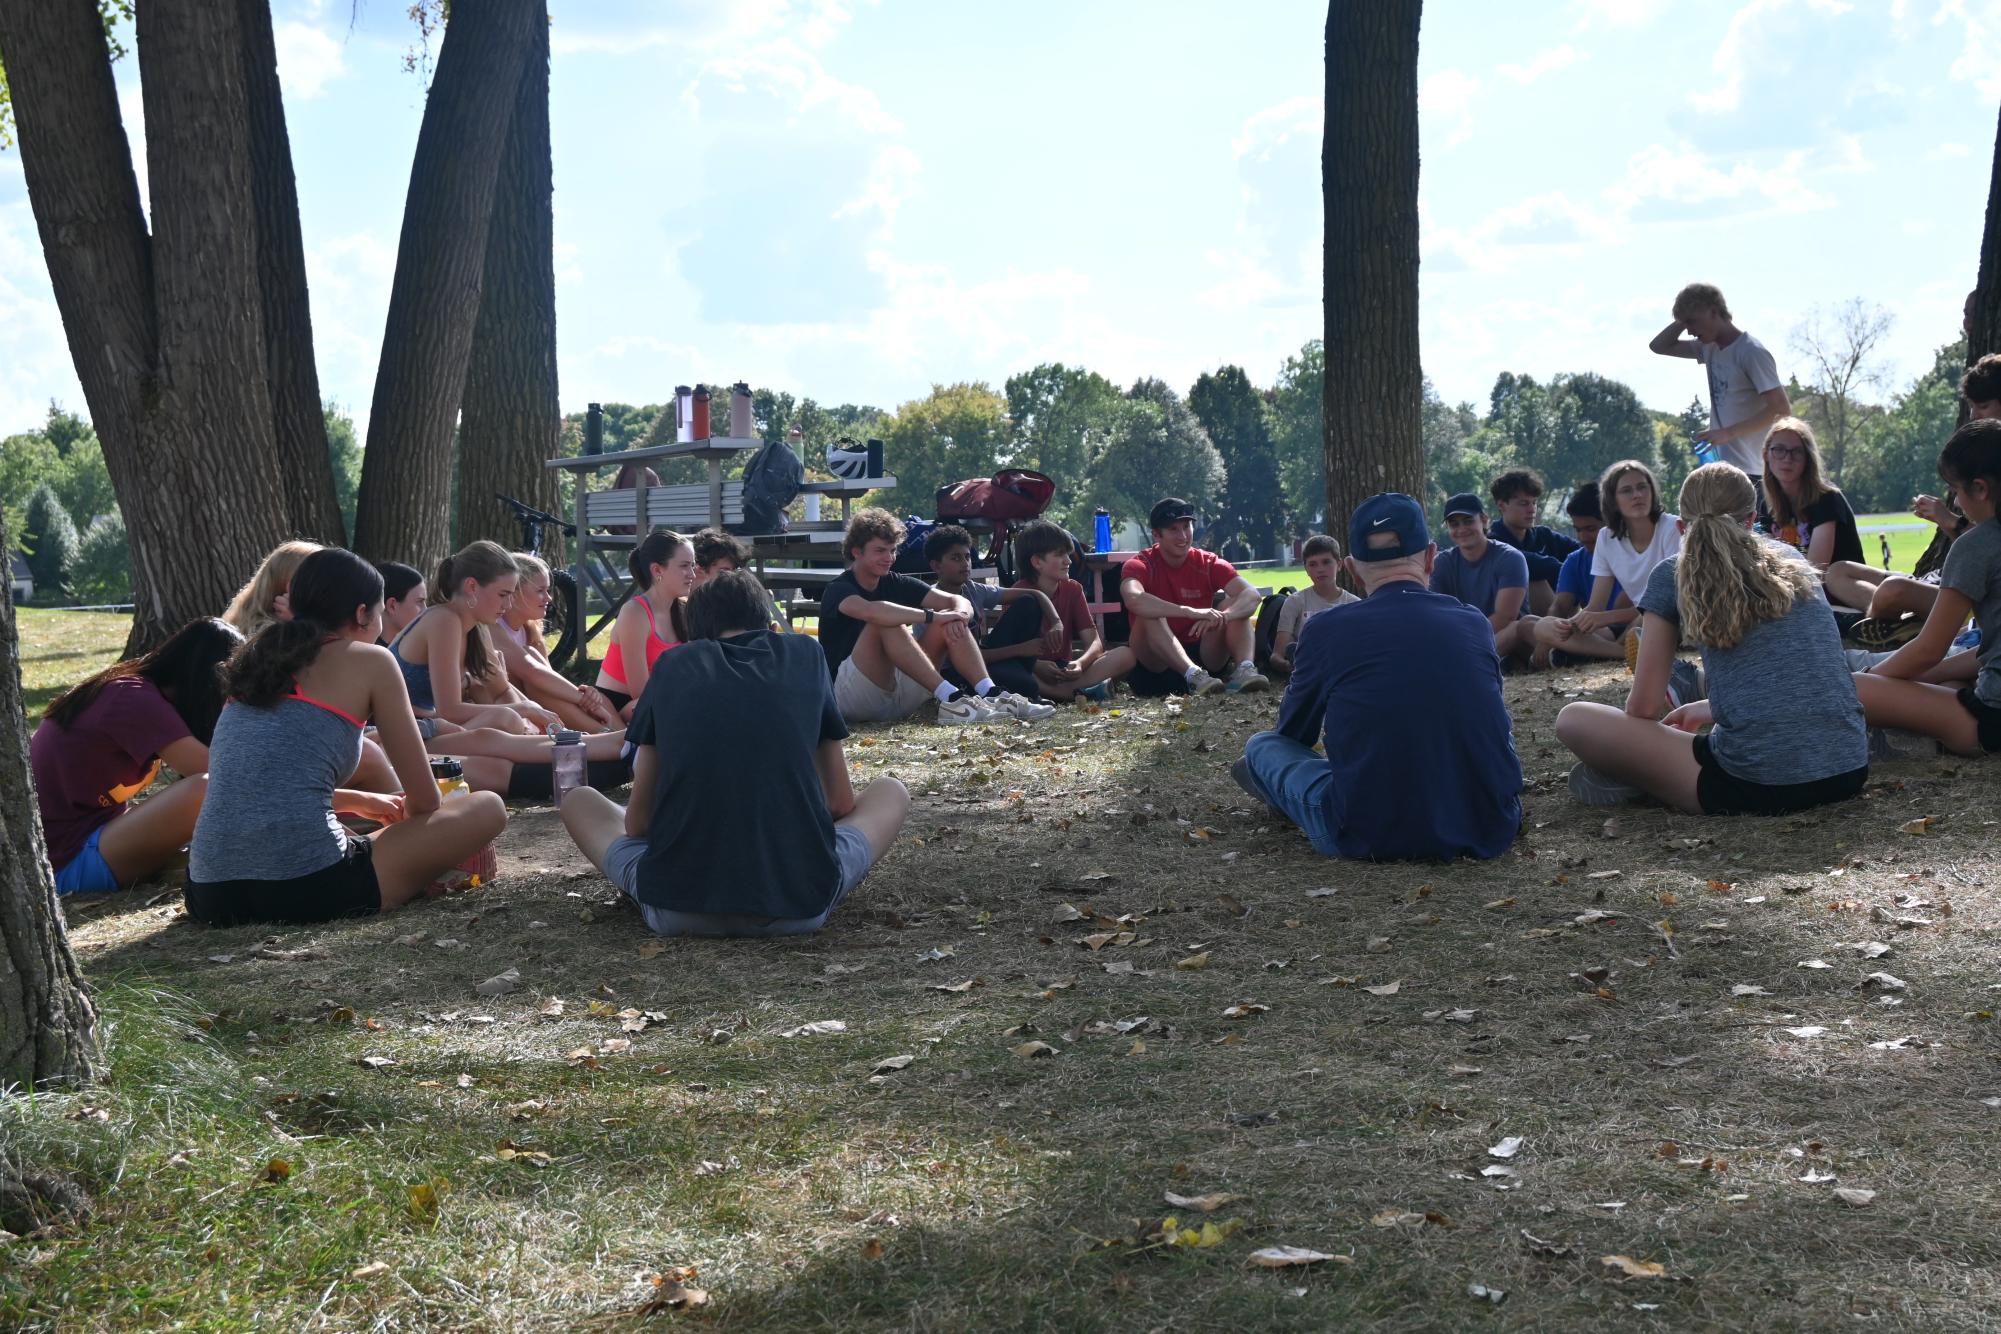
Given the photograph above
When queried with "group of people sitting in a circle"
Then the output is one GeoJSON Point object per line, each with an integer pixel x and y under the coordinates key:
{"type": "Point", "coordinates": [312, 722]}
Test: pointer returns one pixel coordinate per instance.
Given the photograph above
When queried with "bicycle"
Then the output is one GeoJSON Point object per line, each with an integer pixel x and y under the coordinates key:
{"type": "Point", "coordinates": [565, 603]}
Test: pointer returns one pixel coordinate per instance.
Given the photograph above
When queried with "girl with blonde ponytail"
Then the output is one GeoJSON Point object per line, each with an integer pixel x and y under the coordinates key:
{"type": "Point", "coordinates": [1786, 731]}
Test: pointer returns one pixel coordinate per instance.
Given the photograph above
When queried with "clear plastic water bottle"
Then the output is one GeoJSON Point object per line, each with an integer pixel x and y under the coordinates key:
{"type": "Point", "coordinates": [567, 764]}
{"type": "Point", "coordinates": [1705, 451]}
{"type": "Point", "coordinates": [1101, 539]}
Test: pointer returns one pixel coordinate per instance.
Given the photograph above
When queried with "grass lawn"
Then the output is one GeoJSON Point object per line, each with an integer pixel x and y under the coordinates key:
{"type": "Point", "coordinates": [331, 1127]}
{"type": "Point", "coordinates": [60, 648]}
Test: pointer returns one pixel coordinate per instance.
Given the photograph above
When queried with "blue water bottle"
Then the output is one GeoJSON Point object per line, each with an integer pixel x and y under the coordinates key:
{"type": "Point", "coordinates": [1705, 452]}
{"type": "Point", "coordinates": [1101, 539]}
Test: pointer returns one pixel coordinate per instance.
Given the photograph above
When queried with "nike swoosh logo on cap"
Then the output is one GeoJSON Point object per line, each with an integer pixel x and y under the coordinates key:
{"type": "Point", "coordinates": [1377, 523]}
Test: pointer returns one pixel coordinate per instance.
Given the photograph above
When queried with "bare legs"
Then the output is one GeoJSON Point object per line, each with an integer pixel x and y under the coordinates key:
{"type": "Point", "coordinates": [884, 650]}
{"type": "Point", "coordinates": [1917, 706]}
{"type": "Point", "coordinates": [595, 821]}
{"type": "Point", "coordinates": [411, 854]}
{"type": "Point", "coordinates": [1636, 751]}
{"type": "Point", "coordinates": [152, 832]}
{"type": "Point", "coordinates": [1156, 647]}
{"type": "Point", "coordinates": [1109, 666]}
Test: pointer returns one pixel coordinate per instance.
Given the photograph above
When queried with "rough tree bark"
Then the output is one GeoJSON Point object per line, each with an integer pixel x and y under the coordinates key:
{"type": "Point", "coordinates": [1368, 181]}
{"type": "Point", "coordinates": [298, 422]}
{"type": "Point", "coordinates": [434, 300]}
{"type": "Point", "coordinates": [511, 418]}
{"type": "Point", "coordinates": [47, 1025]}
{"type": "Point", "coordinates": [159, 326]}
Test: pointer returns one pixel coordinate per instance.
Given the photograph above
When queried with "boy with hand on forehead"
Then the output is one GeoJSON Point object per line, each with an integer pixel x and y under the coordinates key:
{"type": "Point", "coordinates": [1490, 578]}
{"type": "Point", "coordinates": [1042, 553]}
{"type": "Point", "coordinates": [1179, 635]}
{"type": "Point", "coordinates": [1322, 555]}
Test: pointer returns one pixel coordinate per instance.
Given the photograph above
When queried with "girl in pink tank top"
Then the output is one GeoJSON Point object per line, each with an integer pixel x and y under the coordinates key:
{"type": "Point", "coordinates": [663, 565]}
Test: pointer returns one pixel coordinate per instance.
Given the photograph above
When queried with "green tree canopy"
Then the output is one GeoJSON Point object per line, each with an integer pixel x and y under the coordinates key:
{"type": "Point", "coordinates": [1156, 448]}
{"type": "Point", "coordinates": [1238, 419]}
{"type": "Point", "coordinates": [958, 431]}
{"type": "Point", "coordinates": [1059, 417]}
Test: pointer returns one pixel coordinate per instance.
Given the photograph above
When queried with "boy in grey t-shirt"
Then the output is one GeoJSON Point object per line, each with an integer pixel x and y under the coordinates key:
{"type": "Point", "coordinates": [1322, 555]}
{"type": "Point", "coordinates": [1746, 394]}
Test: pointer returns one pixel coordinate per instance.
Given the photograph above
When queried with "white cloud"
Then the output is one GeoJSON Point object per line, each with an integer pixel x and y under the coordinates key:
{"type": "Point", "coordinates": [1544, 62]}
{"type": "Point", "coordinates": [1744, 47]}
{"type": "Point", "coordinates": [1946, 151]}
{"type": "Point", "coordinates": [1448, 95]}
{"type": "Point", "coordinates": [1618, 13]}
{"type": "Point", "coordinates": [892, 179]}
{"type": "Point", "coordinates": [1664, 181]}
{"type": "Point", "coordinates": [1271, 127]}
{"type": "Point", "coordinates": [1979, 60]}
{"type": "Point", "coordinates": [308, 60]}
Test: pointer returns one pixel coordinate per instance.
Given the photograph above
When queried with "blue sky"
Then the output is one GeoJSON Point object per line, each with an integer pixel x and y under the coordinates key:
{"type": "Point", "coordinates": [855, 200]}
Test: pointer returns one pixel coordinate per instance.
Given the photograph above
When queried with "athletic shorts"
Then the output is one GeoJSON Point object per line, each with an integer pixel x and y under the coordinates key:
{"type": "Point", "coordinates": [1145, 682]}
{"type": "Point", "coordinates": [87, 872]}
{"type": "Point", "coordinates": [621, 867]}
{"type": "Point", "coordinates": [1722, 793]}
{"type": "Point", "coordinates": [1986, 718]}
{"type": "Point", "coordinates": [618, 699]}
{"type": "Point", "coordinates": [345, 889]}
{"type": "Point", "coordinates": [861, 700]}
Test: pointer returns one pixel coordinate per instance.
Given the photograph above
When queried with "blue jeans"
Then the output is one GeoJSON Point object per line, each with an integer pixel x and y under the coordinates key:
{"type": "Point", "coordinates": [621, 867]}
{"type": "Point", "coordinates": [1293, 780]}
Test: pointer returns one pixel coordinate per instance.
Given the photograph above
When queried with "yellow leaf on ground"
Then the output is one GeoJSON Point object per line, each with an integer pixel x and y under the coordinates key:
{"type": "Point", "coordinates": [1632, 1268]}
{"type": "Point", "coordinates": [1193, 962]}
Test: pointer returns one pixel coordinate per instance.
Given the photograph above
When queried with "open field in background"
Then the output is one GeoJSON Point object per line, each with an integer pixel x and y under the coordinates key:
{"type": "Point", "coordinates": [1649, 1036]}
{"type": "Point", "coordinates": [60, 648]}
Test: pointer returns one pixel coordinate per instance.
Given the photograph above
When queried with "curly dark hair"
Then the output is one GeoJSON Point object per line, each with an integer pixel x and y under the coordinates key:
{"type": "Point", "coordinates": [713, 544]}
{"type": "Point", "coordinates": [326, 591]}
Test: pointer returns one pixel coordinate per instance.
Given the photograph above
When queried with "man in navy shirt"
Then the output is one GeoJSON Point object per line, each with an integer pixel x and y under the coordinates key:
{"type": "Point", "coordinates": [1517, 494]}
{"type": "Point", "coordinates": [1420, 759]}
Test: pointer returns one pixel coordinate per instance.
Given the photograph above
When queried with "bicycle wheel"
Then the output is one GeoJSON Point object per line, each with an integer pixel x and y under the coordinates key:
{"type": "Point", "coordinates": [565, 610]}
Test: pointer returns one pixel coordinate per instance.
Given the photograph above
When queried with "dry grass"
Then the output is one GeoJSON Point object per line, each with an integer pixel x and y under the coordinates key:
{"type": "Point", "coordinates": [1663, 1119]}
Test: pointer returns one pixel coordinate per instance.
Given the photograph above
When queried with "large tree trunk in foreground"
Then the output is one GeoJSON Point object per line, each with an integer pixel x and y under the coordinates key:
{"type": "Point", "coordinates": [434, 300]}
{"type": "Point", "coordinates": [511, 418]}
{"type": "Point", "coordinates": [160, 327]}
{"type": "Point", "coordinates": [298, 422]}
{"type": "Point", "coordinates": [1368, 181]}
{"type": "Point", "coordinates": [46, 1021]}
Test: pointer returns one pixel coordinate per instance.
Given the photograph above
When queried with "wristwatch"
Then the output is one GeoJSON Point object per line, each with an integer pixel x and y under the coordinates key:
{"type": "Point", "coordinates": [930, 615]}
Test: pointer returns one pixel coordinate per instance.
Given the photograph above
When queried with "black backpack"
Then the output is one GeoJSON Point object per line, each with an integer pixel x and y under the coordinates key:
{"type": "Point", "coordinates": [1267, 626]}
{"type": "Point", "coordinates": [771, 481]}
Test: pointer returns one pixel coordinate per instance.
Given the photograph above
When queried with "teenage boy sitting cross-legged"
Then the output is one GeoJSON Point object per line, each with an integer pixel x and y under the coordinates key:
{"type": "Point", "coordinates": [1490, 578]}
{"type": "Point", "coordinates": [1042, 553]}
{"type": "Point", "coordinates": [881, 673]}
{"type": "Point", "coordinates": [1559, 640]}
{"type": "Point", "coordinates": [740, 704]}
{"type": "Point", "coordinates": [1179, 635]}
{"type": "Point", "coordinates": [1322, 555]}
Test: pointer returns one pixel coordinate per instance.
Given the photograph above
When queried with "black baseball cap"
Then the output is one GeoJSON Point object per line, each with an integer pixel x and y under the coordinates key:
{"type": "Point", "coordinates": [1168, 510]}
{"type": "Point", "coordinates": [1465, 503]}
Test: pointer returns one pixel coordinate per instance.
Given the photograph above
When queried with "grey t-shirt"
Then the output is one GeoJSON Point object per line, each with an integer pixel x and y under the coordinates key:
{"type": "Point", "coordinates": [1739, 377]}
{"type": "Point", "coordinates": [1782, 698]}
{"type": "Point", "coordinates": [1304, 605]}
{"type": "Point", "coordinates": [984, 597]}
{"type": "Point", "coordinates": [1973, 567]}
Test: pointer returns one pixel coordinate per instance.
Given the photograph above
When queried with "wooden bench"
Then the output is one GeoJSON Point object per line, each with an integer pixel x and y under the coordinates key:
{"type": "Point", "coordinates": [684, 509]}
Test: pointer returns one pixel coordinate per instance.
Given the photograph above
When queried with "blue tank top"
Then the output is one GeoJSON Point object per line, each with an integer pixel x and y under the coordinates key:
{"type": "Point", "coordinates": [268, 813]}
{"type": "Point", "coordinates": [416, 675]}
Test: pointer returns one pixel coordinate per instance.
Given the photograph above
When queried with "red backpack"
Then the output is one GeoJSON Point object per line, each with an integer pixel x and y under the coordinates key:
{"type": "Point", "coordinates": [1009, 496]}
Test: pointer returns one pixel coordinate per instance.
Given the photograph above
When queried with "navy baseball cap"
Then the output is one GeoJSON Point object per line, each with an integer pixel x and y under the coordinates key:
{"type": "Point", "coordinates": [1391, 512]}
{"type": "Point", "coordinates": [1464, 503]}
{"type": "Point", "coordinates": [1168, 511]}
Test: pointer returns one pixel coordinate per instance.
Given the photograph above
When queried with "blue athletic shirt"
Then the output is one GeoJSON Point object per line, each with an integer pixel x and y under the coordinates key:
{"type": "Point", "coordinates": [1575, 579]}
{"type": "Point", "coordinates": [1407, 688]}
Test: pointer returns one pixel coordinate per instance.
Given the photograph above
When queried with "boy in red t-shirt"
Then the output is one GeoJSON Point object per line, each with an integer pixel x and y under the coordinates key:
{"type": "Point", "coordinates": [1180, 637]}
{"type": "Point", "coordinates": [1042, 552]}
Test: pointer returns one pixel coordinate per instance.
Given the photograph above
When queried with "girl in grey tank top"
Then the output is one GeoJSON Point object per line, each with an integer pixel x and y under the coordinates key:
{"type": "Point", "coordinates": [269, 810]}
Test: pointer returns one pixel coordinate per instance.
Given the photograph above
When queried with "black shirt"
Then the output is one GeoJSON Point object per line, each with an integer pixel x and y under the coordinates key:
{"type": "Point", "coordinates": [740, 822]}
{"type": "Point", "coordinates": [1831, 508]}
{"type": "Point", "coordinates": [838, 633]}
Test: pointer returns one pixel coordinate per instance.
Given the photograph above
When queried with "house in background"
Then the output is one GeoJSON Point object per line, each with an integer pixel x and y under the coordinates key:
{"type": "Point", "coordinates": [20, 583]}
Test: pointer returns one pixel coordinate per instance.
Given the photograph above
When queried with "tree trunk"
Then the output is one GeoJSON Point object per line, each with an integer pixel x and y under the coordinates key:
{"type": "Point", "coordinates": [159, 328]}
{"type": "Point", "coordinates": [511, 418]}
{"type": "Point", "coordinates": [1983, 331]}
{"type": "Point", "coordinates": [47, 1026]}
{"type": "Point", "coordinates": [435, 297]}
{"type": "Point", "coordinates": [298, 423]}
{"type": "Point", "coordinates": [1368, 179]}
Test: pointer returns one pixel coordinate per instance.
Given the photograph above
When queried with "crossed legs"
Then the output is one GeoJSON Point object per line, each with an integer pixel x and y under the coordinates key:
{"type": "Point", "coordinates": [1639, 752]}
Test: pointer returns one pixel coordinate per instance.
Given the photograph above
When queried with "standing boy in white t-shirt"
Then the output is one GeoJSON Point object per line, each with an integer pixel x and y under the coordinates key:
{"type": "Point", "coordinates": [1322, 556]}
{"type": "Point", "coordinates": [1746, 394]}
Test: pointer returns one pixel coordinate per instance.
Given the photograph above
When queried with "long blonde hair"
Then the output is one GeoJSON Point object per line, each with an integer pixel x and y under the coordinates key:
{"type": "Point", "coordinates": [1728, 579]}
{"type": "Point", "coordinates": [482, 562]}
{"type": "Point", "coordinates": [531, 565]}
{"type": "Point", "coordinates": [1812, 484]}
{"type": "Point", "coordinates": [250, 610]}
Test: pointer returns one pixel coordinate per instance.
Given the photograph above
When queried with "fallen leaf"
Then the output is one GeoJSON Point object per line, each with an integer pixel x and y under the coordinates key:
{"type": "Point", "coordinates": [1068, 912]}
{"type": "Point", "coordinates": [1324, 892]}
{"type": "Point", "coordinates": [375, 1270]}
{"type": "Point", "coordinates": [1604, 875]}
{"type": "Point", "coordinates": [1244, 1010]}
{"type": "Point", "coordinates": [957, 988]}
{"type": "Point", "coordinates": [1507, 1148]}
{"type": "Point", "coordinates": [1281, 1257]}
{"type": "Point", "coordinates": [1386, 989]}
{"type": "Point", "coordinates": [1481, 1292]}
{"type": "Point", "coordinates": [1194, 962]}
{"type": "Point", "coordinates": [500, 983]}
{"type": "Point", "coordinates": [1813, 963]}
{"type": "Point", "coordinates": [1911, 1043]}
{"type": "Point", "coordinates": [1389, 1218]}
{"type": "Point", "coordinates": [375, 1062]}
{"type": "Point", "coordinates": [1093, 877]}
{"type": "Point", "coordinates": [1098, 940]}
{"type": "Point", "coordinates": [424, 1196]}
{"type": "Point", "coordinates": [1853, 1196]}
{"type": "Point", "coordinates": [940, 952]}
{"type": "Point", "coordinates": [1817, 1178]}
{"type": "Point", "coordinates": [1502, 903]}
{"type": "Point", "coordinates": [889, 1064]}
{"type": "Point", "coordinates": [1748, 989]}
{"type": "Point", "coordinates": [1632, 1268]}
{"type": "Point", "coordinates": [1881, 982]}
{"type": "Point", "coordinates": [1807, 1031]}
{"type": "Point", "coordinates": [1207, 1204]}
{"type": "Point", "coordinates": [1921, 825]}
{"type": "Point", "coordinates": [276, 1170]}
{"type": "Point", "coordinates": [1030, 1050]}
{"type": "Point", "coordinates": [1462, 1071]}
{"type": "Point", "coordinates": [818, 1028]}
{"type": "Point", "coordinates": [1229, 903]}
{"type": "Point", "coordinates": [1377, 945]}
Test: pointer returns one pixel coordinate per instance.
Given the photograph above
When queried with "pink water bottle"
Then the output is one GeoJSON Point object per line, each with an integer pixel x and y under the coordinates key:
{"type": "Point", "coordinates": [741, 425]}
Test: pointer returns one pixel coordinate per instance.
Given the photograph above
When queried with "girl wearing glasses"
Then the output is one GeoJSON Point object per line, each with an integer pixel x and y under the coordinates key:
{"type": "Point", "coordinates": [1808, 515]}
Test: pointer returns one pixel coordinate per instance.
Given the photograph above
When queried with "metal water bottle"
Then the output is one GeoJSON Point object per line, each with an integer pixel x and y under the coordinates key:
{"type": "Point", "coordinates": [684, 413]}
{"type": "Point", "coordinates": [741, 425]}
{"type": "Point", "coordinates": [701, 423]}
{"type": "Point", "coordinates": [567, 764]}
{"type": "Point", "coordinates": [1101, 539]}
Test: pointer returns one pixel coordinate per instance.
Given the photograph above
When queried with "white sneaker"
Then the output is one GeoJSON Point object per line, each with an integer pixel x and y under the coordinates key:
{"type": "Point", "coordinates": [1203, 684]}
{"type": "Point", "coordinates": [1247, 680]}
{"type": "Point", "coordinates": [965, 711]}
{"type": "Point", "coordinates": [1005, 703]}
